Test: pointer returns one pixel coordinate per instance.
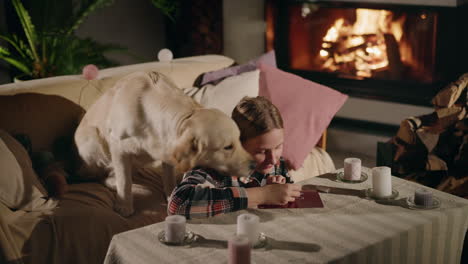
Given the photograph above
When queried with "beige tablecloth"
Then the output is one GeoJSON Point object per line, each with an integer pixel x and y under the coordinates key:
{"type": "Point", "coordinates": [349, 229]}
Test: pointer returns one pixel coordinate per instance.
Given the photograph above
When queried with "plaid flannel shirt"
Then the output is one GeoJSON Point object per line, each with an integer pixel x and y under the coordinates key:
{"type": "Point", "coordinates": [205, 193]}
{"type": "Point", "coordinates": [257, 179]}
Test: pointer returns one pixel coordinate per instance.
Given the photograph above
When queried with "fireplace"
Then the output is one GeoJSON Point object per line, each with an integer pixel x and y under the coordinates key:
{"type": "Point", "coordinates": [391, 52]}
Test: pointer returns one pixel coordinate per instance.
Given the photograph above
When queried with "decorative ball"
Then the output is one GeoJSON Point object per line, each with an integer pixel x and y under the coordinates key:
{"type": "Point", "coordinates": [90, 72]}
{"type": "Point", "coordinates": [165, 55]}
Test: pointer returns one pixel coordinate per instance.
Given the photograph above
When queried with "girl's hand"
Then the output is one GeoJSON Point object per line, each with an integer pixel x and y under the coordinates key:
{"type": "Point", "coordinates": [276, 179]}
{"type": "Point", "coordinates": [273, 194]}
{"type": "Point", "coordinates": [281, 193]}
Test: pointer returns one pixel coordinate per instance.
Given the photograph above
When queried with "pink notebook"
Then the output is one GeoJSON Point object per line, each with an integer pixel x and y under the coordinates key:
{"type": "Point", "coordinates": [308, 199]}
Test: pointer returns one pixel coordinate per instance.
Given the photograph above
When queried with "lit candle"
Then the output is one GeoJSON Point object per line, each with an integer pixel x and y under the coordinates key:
{"type": "Point", "coordinates": [352, 169]}
{"type": "Point", "coordinates": [247, 225]}
{"type": "Point", "coordinates": [423, 197]}
{"type": "Point", "coordinates": [174, 231]}
{"type": "Point", "coordinates": [382, 181]}
{"type": "Point", "coordinates": [239, 250]}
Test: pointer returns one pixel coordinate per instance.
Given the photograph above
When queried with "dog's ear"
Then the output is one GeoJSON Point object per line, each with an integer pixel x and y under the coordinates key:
{"type": "Point", "coordinates": [187, 151]}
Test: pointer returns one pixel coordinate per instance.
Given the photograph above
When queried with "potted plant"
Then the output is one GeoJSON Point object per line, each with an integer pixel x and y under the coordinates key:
{"type": "Point", "coordinates": [52, 48]}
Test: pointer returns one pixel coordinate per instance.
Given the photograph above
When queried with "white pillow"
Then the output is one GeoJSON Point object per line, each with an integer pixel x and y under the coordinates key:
{"type": "Point", "coordinates": [226, 94]}
{"type": "Point", "coordinates": [20, 188]}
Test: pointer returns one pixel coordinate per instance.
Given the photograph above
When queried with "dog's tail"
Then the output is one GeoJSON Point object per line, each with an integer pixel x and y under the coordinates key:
{"type": "Point", "coordinates": [94, 154]}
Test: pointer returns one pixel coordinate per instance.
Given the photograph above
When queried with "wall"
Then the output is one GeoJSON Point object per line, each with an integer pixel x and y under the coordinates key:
{"type": "Point", "coordinates": [243, 29]}
{"type": "Point", "coordinates": [343, 142]}
{"type": "Point", "coordinates": [349, 142]}
{"type": "Point", "coordinates": [379, 111]}
{"type": "Point", "coordinates": [244, 40]}
{"type": "Point", "coordinates": [135, 24]}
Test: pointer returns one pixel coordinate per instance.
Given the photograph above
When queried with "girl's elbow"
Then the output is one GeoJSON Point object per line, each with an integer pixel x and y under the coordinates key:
{"type": "Point", "coordinates": [172, 208]}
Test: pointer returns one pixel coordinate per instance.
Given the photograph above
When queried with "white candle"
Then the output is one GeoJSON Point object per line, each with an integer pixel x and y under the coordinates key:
{"type": "Point", "coordinates": [239, 250]}
{"type": "Point", "coordinates": [352, 169]}
{"type": "Point", "coordinates": [423, 197]}
{"type": "Point", "coordinates": [174, 230]}
{"type": "Point", "coordinates": [247, 225]}
{"type": "Point", "coordinates": [382, 181]}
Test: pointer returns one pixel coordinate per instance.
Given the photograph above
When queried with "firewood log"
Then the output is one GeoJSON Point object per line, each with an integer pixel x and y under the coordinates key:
{"type": "Point", "coordinates": [450, 94]}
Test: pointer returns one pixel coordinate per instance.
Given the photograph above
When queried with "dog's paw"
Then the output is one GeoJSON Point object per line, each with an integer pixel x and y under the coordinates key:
{"type": "Point", "coordinates": [124, 208]}
{"type": "Point", "coordinates": [109, 182]}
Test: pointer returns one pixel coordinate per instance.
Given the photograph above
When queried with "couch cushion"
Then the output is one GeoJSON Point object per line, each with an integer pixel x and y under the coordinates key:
{"type": "Point", "coordinates": [226, 94]}
{"type": "Point", "coordinates": [215, 77]}
{"type": "Point", "coordinates": [43, 118]}
{"type": "Point", "coordinates": [317, 162]}
{"type": "Point", "coordinates": [183, 71]}
{"type": "Point", "coordinates": [69, 86]}
{"type": "Point", "coordinates": [306, 107]}
{"type": "Point", "coordinates": [20, 187]}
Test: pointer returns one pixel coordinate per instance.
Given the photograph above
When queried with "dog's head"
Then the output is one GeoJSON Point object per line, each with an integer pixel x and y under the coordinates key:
{"type": "Point", "coordinates": [210, 138]}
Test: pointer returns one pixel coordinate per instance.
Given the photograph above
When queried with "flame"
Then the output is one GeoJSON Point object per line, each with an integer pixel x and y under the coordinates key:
{"type": "Point", "coordinates": [332, 34]}
{"type": "Point", "coordinates": [360, 48]}
{"type": "Point", "coordinates": [370, 21]}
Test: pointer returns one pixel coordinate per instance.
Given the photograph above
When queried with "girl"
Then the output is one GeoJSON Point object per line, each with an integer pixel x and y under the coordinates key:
{"type": "Point", "coordinates": [204, 192]}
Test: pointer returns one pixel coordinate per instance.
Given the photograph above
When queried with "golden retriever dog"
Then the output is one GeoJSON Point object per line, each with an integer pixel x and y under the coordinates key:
{"type": "Point", "coordinates": [145, 118]}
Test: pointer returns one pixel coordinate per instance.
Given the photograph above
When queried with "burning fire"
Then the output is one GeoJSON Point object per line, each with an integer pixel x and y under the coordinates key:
{"type": "Point", "coordinates": [360, 49]}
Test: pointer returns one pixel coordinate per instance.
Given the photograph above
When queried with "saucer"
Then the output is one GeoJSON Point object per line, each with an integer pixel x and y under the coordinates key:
{"type": "Point", "coordinates": [188, 239]}
{"type": "Point", "coordinates": [262, 241]}
{"type": "Point", "coordinates": [412, 205]}
{"type": "Point", "coordinates": [365, 172]}
{"type": "Point", "coordinates": [370, 194]}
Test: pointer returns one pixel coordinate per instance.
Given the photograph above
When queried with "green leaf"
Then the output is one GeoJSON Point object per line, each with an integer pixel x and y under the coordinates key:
{"type": "Point", "coordinates": [4, 51]}
{"type": "Point", "coordinates": [49, 46]}
{"type": "Point", "coordinates": [170, 8]}
{"type": "Point", "coordinates": [18, 64]}
{"type": "Point", "coordinates": [28, 27]}
{"type": "Point", "coordinates": [17, 43]}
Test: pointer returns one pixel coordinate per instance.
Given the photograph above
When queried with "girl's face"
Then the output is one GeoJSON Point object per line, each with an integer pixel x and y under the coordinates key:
{"type": "Point", "coordinates": [266, 149]}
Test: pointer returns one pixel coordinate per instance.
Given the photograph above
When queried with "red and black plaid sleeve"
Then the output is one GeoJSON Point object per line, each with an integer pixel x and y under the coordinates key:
{"type": "Point", "coordinates": [202, 195]}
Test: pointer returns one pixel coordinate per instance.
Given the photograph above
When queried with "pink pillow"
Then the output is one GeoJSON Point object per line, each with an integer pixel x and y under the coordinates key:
{"type": "Point", "coordinates": [215, 77]}
{"type": "Point", "coordinates": [306, 107]}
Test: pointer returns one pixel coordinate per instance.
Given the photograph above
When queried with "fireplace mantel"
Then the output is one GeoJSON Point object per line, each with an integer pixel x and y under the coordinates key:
{"type": "Point", "coordinates": [441, 3]}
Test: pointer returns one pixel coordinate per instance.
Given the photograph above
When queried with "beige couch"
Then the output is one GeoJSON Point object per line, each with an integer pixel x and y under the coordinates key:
{"type": "Point", "coordinates": [78, 227]}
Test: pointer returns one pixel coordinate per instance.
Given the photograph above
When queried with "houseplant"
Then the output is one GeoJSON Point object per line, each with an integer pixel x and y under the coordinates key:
{"type": "Point", "coordinates": [170, 8]}
{"type": "Point", "coordinates": [48, 46]}
{"type": "Point", "coordinates": [52, 48]}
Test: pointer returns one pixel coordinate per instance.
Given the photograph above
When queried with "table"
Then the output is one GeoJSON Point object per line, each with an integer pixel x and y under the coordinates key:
{"type": "Point", "coordinates": [350, 229]}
